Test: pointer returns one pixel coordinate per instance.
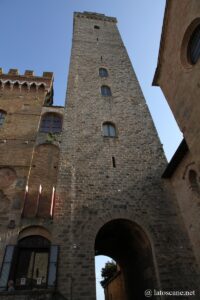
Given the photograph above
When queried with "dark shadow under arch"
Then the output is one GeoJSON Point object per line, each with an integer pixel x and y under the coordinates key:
{"type": "Point", "coordinates": [127, 243]}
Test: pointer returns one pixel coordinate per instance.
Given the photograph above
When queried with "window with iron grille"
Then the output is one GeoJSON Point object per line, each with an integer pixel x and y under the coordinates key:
{"type": "Point", "coordinates": [51, 122]}
{"type": "Point", "coordinates": [109, 129]}
{"type": "Point", "coordinates": [106, 91]}
{"type": "Point", "coordinates": [103, 72]}
{"type": "Point", "coordinates": [2, 117]}
{"type": "Point", "coordinates": [194, 46]}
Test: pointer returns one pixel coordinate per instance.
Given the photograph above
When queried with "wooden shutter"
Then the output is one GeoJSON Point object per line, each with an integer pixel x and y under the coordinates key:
{"type": "Point", "coordinates": [6, 265]}
{"type": "Point", "coordinates": [53, 262]}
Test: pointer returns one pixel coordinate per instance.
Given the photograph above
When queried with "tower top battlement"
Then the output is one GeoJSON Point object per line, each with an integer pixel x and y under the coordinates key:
{"type": "Point", "coordinates": [27, 73]}
{"type": "Point", "coordinates": [95, 16]}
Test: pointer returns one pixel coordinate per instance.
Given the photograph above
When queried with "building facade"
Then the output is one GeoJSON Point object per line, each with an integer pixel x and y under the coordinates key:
{"type": "Point", "coordinates": [95, 190]}
{"type": "Point", "coordinates": [178, 76]}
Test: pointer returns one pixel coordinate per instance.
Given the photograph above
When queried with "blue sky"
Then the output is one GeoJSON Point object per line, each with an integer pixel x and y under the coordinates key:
{"type": "Point", "coordinates": [36, 35]}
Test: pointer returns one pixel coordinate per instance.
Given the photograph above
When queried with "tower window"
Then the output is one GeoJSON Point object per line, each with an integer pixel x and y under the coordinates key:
{"type": "Point", "coordinates": [106, 91]}
{"type": "Point", "coordinates": [113, 162]}
{"type": "Point", "coordinates": [194, 46]}
{"type": "Point", "coordinates": [109, 129]}
{"type": "Point", "coordinates": [103, 72]}
{"type": "Point", "coordinates": [51, 122]}
{"type": "Point", "coordinates": [2, 117]}
{"type": "Point", "coordinates": [96, 27]}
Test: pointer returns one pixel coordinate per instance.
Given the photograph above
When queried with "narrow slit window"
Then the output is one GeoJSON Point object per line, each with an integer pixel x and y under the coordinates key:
{"type": "Point", "coordinates": [113, 162]}
{"type": "Point", "coordinates": [2, 117]}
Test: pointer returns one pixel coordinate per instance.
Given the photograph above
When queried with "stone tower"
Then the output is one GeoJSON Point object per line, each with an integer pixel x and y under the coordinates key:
{"type": "Point", "coordinates": [95, 190]}
{"type": "Point", "coordinates": [111, 199]}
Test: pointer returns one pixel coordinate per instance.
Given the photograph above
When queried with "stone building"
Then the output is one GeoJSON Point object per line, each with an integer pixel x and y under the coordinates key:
{"type": "Point", "coordinates": [178, 76]}
{"type": "Point", "coordinates": [114, 288]}
{"type": "Point", "coordinates": [95, 190]}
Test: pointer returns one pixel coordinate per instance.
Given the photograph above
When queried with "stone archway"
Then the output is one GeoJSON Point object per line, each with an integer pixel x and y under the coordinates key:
{"type": "Point", "coordinates": [127, 243]}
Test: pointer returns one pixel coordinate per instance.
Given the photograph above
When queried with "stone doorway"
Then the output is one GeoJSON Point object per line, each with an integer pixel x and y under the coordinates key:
{"type": "Point", "coordinates": [127, 244]}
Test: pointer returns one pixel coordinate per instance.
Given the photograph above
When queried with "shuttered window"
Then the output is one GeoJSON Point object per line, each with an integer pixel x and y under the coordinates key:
{"type": "Point", "coordinates": [194, 46]}
{"type": "Point", "coordinates": [6, 266]}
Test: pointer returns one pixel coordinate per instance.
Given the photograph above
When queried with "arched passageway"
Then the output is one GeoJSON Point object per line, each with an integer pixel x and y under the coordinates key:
{"type": "Point", "coordinates": [127, 243]}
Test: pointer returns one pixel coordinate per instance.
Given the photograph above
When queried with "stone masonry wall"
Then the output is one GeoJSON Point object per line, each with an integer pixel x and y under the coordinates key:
{"type": "Point", "coordinates": [188, 195]}
{"type": "Point", "coordinates": [178, 78]}
{"type": "Point", "coordinates": [90, 191]}
{"type": "Point", "coordinates": [21, 98]}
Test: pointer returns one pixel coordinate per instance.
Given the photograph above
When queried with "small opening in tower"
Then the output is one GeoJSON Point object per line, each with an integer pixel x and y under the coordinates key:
{"type": "Point", "coordinates": [96, 27]}
{"type": "Point", "coordinates": [101, 58]}
{"type": "Point", "coordinates": [97, 39]}
{"type": "Point", "coordinates": [113, 162]}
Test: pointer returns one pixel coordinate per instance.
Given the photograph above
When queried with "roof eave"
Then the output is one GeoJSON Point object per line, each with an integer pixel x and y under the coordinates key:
{"type": "Point", "coordinates": [162, 40]}
{"type": "Point", "coordinates": [176, 159]}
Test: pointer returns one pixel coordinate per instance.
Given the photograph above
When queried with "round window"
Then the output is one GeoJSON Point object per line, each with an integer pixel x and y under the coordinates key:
{"type": "Point", "coordinates": [193, 50]}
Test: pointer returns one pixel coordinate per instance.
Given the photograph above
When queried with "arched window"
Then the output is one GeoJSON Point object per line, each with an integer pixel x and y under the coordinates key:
{"type": "Point", "coordinates": [105, 91]}
{"type": "Point", "coordinates": [7, 85]}
{"type": "Point", "coordinates": [41, 87]}
{"type": "Point", "coordinates": [16, 85]}
{"type": "Point", "coordinates": [103, 72]}
{"type": "Point", "coordinates": [194, 46]}
{"type": "Point", "coordinates": [24, 87]}
{"type": "Point", "coordinates": [33, 87]}
{"type": "Point", "coordinates": [51, 122]}
{"type": "Point", "coordinates": [109, 129]}
{"type": "Point", "coordinates": [31, 264]}
{"type": "Point", "coordinates": [2, 117]}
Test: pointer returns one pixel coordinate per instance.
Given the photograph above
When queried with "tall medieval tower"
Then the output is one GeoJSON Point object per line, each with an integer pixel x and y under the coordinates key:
{"type": "Point", "coordinates": [94, 189]}
{"type": "Point", "coordinates": [111, 199]}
